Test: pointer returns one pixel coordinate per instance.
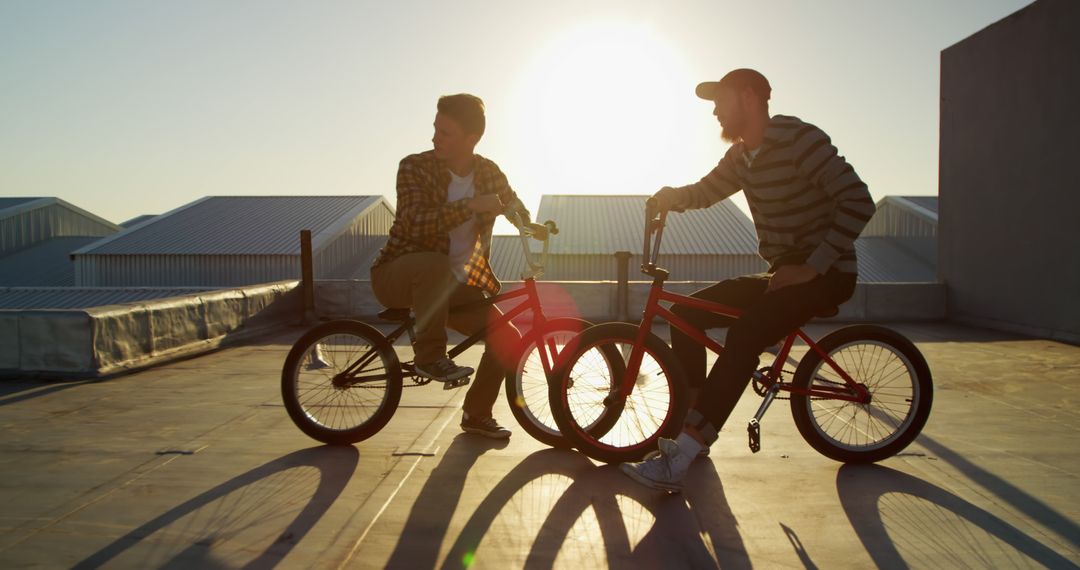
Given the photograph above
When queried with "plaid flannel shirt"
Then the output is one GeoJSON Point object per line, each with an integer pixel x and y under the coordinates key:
{"type": "Point", "coordinates": [424, 217]}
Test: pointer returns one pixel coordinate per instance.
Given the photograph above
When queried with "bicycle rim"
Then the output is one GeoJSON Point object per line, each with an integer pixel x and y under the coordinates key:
{"type": "Point", "coordinates": [532, 384]}
{"type": "Point", "coordinates": [892, 381]}
{"type": "Point", "coordinates": [348, 406]}
{"type": "Point", "coordinates": [645, 414]}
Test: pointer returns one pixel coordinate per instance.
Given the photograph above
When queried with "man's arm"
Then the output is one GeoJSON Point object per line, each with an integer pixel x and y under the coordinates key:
{"type": "Point", "coordinates": [514, 210]}
{"type": "Point", "coordinates": [718, 184]}
{"type": "Point", "coordinates": [817, 160]}
{"type": "Point", "coordinates": [418, 212]}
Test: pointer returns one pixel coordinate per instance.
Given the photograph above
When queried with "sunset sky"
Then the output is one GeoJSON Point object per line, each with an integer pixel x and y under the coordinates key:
{"type": "Point", "coordinates": [132, 107]}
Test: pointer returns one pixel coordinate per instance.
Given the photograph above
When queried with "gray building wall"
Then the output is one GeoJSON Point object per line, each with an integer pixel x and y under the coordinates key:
{"type": "Point", "coordinates": [34, 221]}
{"type": "Point", "coordinates": [220, 255]}
{"type": "Point", "coordinates": [1009, 184]}
{"type": "Point", "coordinates": [899, 217]}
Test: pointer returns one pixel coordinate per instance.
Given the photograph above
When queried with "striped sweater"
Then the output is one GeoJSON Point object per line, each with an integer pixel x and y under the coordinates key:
{"type": "Point", "coordinates": [807, 202]}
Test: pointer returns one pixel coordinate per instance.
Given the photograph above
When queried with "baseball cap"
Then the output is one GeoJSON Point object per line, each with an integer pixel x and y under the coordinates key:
{"type": "Point", "coordinates": [738, 80]}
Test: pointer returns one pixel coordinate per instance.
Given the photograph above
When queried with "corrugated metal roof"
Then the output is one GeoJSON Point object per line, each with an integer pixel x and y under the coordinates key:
{"type": "Point", "coordinates": [606, 224]}
{"type": "Point", "coordinates": [15, 298]}
{"type": "Point", "coordinates": [239, 225]}
{"type": "Point", "coordinates": [6, 203]}
{"type": "Point", "coordinates": [137, 220]}
{"type": "Point", "coordinates": [47, 263]}
{"type": "Point", "coordinates": [19, 206]}
{"type": "Point", "coordinates": [896, 260]}
{"type": "Point", "coordinates": [928, 202]}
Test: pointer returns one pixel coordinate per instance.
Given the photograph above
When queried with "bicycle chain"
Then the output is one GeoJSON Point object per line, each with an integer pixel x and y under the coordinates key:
{"type": "Point", "coordinates": [759, 386]}
{"type": "Point", "coordinates": [761, 390]}
{"type": "Point", "coordinates": [408, 369]}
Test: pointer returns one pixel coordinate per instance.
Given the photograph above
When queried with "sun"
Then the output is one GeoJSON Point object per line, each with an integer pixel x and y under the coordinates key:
{"type": "Point", "coordinates": [604, 108]}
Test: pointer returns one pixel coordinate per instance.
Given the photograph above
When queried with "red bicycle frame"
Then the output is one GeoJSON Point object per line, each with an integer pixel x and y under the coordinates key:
{"type": "Point", "coordinates": [851, 391]}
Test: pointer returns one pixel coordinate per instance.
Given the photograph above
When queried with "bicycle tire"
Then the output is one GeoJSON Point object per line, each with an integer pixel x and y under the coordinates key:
{"type": "Point", "coordinates": [655, 409]}
{"type": "Point", "coordinates": [340, 414]}
{"type": "Point", "coordinates": [898, 378]}
{"type": "Point", "coordinates": [527, 387]}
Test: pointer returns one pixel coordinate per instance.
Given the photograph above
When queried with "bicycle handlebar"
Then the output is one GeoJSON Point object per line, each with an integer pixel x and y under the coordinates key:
{"type": "Point", "coordinates": [539, 232]}
{"type": "Point", "coordinates": [652, 225]}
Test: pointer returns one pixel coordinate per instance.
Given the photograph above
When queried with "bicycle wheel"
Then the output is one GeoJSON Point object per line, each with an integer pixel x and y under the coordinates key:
{"type": "Point", "coordinates": [527, 385]}
{"type": "Point", "coordinates": [581, 394]}
{"type": "Point", "coordinates": [341, 382]}
{"type": "Point", "coordinates": [901, 391]}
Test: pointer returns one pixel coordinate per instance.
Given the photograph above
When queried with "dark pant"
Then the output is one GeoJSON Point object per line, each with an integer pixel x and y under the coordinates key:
{"type": "Point", "coordinates": [766, 319]}
{"type": "Point", "coordinates": [500, 347]}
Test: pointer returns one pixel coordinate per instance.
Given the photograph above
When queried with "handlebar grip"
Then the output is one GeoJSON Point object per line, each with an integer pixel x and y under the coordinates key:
{"type": "Point", "coordinates": [652, 209]}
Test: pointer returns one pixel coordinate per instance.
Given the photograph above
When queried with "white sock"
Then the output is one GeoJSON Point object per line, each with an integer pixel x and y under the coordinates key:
{"type": "Point", "coordinates": [688, 446]}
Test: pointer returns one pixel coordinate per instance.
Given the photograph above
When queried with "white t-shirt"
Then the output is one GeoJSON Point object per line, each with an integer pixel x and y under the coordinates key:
{"type": "Point", "coordinates": [462, 238]}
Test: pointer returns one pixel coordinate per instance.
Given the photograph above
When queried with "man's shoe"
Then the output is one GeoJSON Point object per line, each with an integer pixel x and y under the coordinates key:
{"type": "Point", "coordinates": [664, 471]}
{"type": "Point", "coordinates": [443, 370]}
{"type": "Point", "coordinates": [316, 360]}
{"type": "Point", "coordinates": [487, 427]}
{"type": "Point", "coordinates": [703, 453]}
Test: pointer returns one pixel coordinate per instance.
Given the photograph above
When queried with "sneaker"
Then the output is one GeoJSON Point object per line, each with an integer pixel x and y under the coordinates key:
{"type": "Point", "coordinates": [487, 427]}
{"type": "Point", "coordinates": [443, 370]}
{"type": "Point", "coordinates": [316, 360]}
{"type": "Point", "coordinates": [703, 453]}
{"type": "Point", "coordinates": [664, 471]}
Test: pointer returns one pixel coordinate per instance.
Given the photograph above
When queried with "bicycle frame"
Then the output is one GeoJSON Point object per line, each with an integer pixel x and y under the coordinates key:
{"type": "Point", "coordinates": [851, 391]}
{"type": "Point", "coordinates": [531, 302]}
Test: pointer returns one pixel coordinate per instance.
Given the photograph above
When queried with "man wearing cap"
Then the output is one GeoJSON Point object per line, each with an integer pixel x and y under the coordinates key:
{"type": "Point", "coordinates": [808, 206]}
{"type": "Point", "coordinates": [436, 257]}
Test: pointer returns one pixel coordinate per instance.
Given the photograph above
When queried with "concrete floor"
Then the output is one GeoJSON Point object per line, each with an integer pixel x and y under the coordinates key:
{"type": "Point", "coordinates": [196, 465]}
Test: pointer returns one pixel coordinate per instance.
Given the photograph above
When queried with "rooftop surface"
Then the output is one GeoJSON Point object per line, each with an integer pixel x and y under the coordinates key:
{"type": "Point", "coordinates": [195, 464]}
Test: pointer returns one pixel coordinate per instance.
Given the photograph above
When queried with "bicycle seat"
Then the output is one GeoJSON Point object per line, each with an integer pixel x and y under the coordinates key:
{"type": "Point", "coordinates": [395, 315]}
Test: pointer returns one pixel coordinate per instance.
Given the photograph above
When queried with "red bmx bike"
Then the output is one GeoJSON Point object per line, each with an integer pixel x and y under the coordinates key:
{"type": "Point", "coordinates": [858, 395]}
{"type": "Point", "coordinates": [342, 380]}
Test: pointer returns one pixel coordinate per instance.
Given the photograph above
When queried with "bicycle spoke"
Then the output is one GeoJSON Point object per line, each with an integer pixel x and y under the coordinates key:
{"type": "Point", "coordinates": [890, 382]}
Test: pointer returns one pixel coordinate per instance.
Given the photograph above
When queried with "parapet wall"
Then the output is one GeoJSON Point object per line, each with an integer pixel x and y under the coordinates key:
{"type": "Point", "coordinates": [598, 300]}
{"type": "Point", "coordinates": [101, 341]}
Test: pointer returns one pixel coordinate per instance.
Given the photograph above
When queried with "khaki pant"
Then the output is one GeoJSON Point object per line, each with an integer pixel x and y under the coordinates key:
{"type": "Point", "coordinates": [424, 282]}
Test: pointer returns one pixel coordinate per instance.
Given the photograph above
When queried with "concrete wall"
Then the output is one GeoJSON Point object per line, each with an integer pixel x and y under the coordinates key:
{"type": "Point", "coordinates": [596, 300]}
{"type": "Point", "coordinates": [100, 341]}
{"type": "Point", "coordinates": [1009, 185]}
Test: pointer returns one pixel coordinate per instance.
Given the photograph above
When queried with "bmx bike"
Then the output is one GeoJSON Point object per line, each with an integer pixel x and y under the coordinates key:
{"type": "Point", "coordinates": [342, 380]}
{"type": "Point", "coordinates": [859, 394]}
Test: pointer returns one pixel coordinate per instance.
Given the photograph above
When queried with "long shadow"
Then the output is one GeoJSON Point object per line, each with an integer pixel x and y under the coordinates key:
{"type": "Point", "coordinates": [892, 511]}
{"type": "Point", "coordinates": [1008, 492]}
{"type": "Point", "coordinates": [335, 466]}
{"type": "Point", "coordinates": [429, 519]}
{"type": "Point", "coordinates": [598, 517]}
{"type": "Point", "coordinates": [15, 391]}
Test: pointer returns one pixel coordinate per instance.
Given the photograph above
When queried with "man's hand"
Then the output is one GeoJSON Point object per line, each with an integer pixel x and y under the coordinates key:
{"type": "Point", "coordinates": [537, 231]}
{"type": "Point", "coordinates": [664, 198]}
{"type": "Point", "coordinates": [789, 275]}
{"type": "Point", "coordinates": [486, 203]}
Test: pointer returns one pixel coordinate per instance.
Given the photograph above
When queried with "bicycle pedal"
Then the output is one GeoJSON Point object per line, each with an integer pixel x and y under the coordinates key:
{"type": "Point", "coordinates": [753, 429]}
{"type": "Point", "coordinates": [452, 384]}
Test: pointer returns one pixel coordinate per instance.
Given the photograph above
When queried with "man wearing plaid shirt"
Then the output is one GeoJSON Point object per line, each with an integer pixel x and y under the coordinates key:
{"type": "Point", "coordinates": [437, 255]}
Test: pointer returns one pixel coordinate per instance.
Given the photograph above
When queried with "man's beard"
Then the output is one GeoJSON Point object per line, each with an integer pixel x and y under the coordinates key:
{"type": "Point", "coordinates": [733, 131]}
